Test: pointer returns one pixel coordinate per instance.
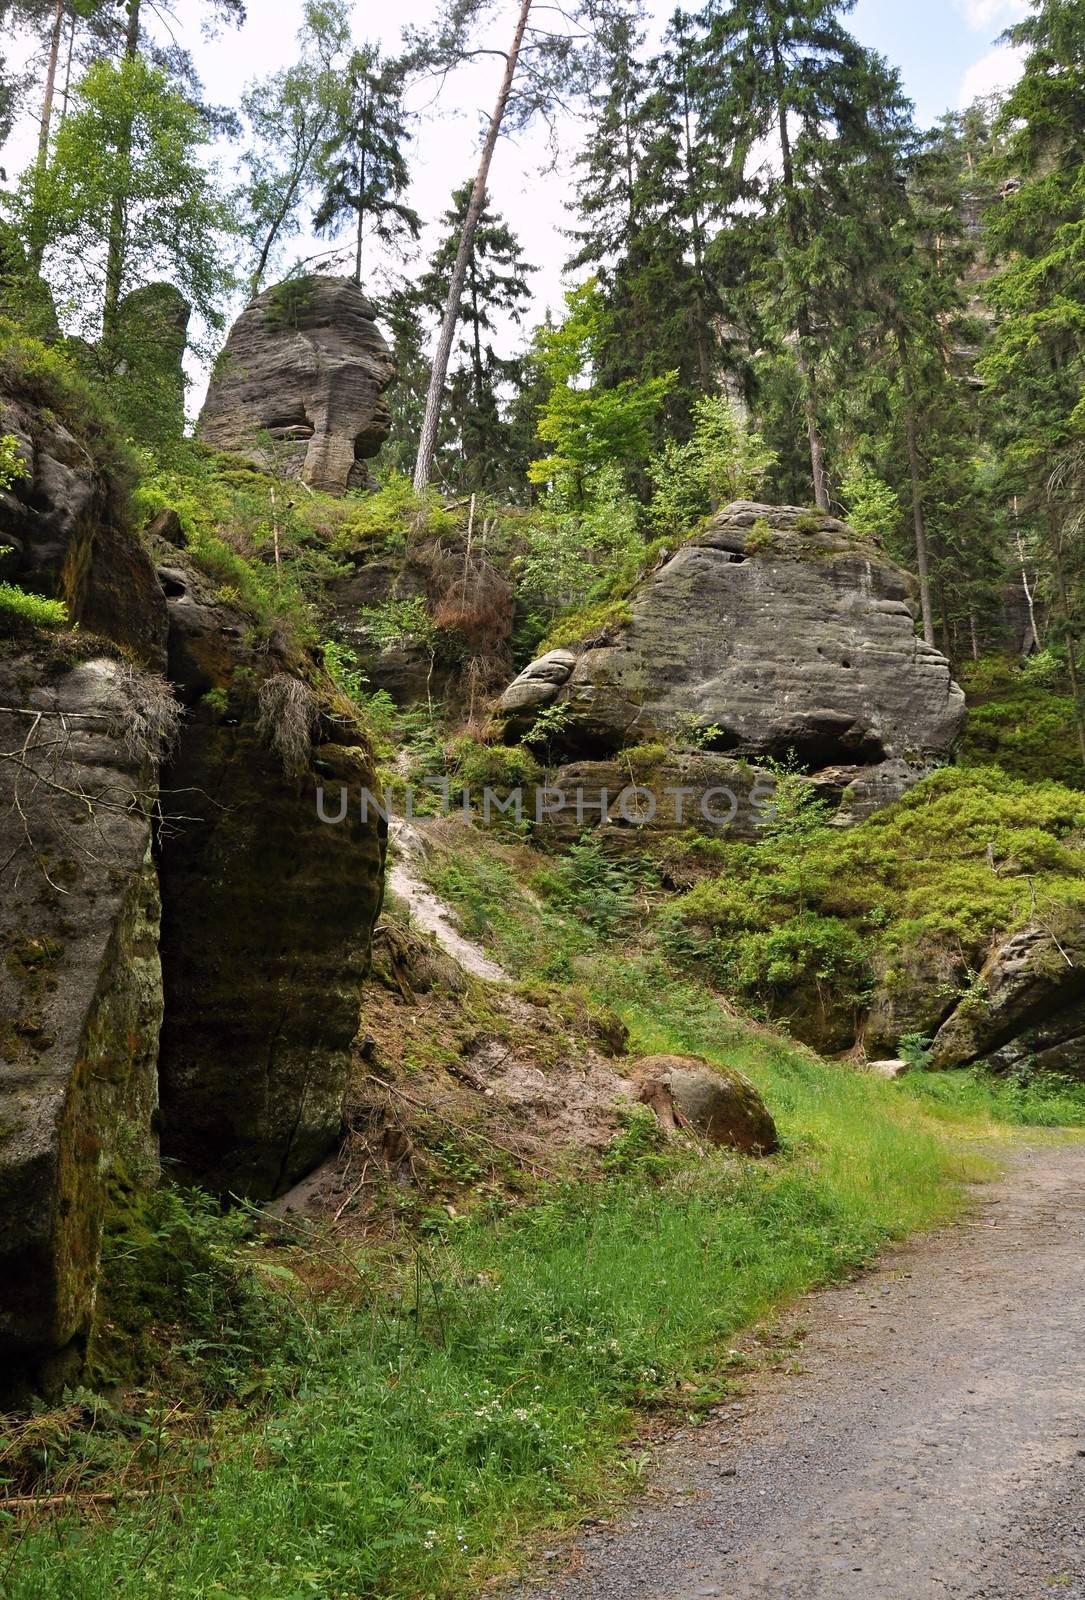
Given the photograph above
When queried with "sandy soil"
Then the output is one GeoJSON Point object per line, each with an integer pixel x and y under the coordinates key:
{"type": "Point", "coordinates": [931, 1442]}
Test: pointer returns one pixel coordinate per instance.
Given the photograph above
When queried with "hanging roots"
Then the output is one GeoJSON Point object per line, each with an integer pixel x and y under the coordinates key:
{"type": "Point", "coordinates": [288, 714]}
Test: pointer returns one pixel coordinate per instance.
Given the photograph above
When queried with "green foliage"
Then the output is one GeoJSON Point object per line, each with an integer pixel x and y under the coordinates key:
{"type": "Point", "coordinates": [49, 378]}
{"type": "Point", "coordinates": [235, 520]}
{"type": "Point", "coordinates": [965, 855]}
{"type": "Point", "coordinates": [1021, 717]}
{"type": "Point", "coordinates": [585, 425]}
{"type": "Point", "coordinates": [1043, 1100]}
{"type": "Point", "coordinates": [493, 766]}
{"type": "Point", "coordinates": [135, 142]}
{"type": "Point", "coordinates": [12, 467]}
{"type": "Point", "coordinates": [585, 622]}
{"type": "Point", "coordinates": [31, 610]}
{"type": "Point", "coordinates": [583, 546]}
{"type": "Point", "coordinates": [180, 1284]}
{"type": "Point", "coordinates": [639, 1146]}
{"type": "Point", "coordinates": [597, 888]}
{"type": "Point", "coordinates": [393, 514]}
{"type": "Point", "coordinates": [726, 459]}
{"type": "Point", "coordinates": [873, 508]}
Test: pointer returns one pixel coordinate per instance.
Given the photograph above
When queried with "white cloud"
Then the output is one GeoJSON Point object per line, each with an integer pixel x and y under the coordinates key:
{"type": "Point", "coordinates": [998, 69]}
{"type": "Point", "coordinates": [989, 15]}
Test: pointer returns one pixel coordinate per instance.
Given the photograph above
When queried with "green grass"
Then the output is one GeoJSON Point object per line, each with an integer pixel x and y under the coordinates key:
{"type": "Point", "coordinates": [410, 1438]}
{"type": "Point", "coordinates": [1042, 1101]}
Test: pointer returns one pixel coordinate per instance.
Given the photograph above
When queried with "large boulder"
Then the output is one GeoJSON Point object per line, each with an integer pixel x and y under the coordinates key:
{"type": "Point", "coordinates": [715, 1102]}
{"type": "Point", "coordinates": [80, 982]}
{"type": "Point", "coordinates": [773, 632]}
{"type": "Point", "coordinates": [300, 384]}
{"type": "Point", "coordinates": [268, 912]}
{"type": "Point", "coordinates": [1026, 1012]}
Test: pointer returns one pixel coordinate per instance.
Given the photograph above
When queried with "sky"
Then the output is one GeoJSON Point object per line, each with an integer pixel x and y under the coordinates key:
{"type": "Point", "coordinates": [946, 51]}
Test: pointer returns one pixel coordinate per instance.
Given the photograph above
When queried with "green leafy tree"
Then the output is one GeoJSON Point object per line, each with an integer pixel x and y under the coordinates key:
{"type": "Point", "coordinates": [726, 459]}
{"type": "Point", "coordinates": [585, 424]}
{"type": "Point", "coordinates": [290, 117]}
{"type": "Point", "coordinates": [131, 137]}
{"type": "Point", "coordinates": [363, 168]}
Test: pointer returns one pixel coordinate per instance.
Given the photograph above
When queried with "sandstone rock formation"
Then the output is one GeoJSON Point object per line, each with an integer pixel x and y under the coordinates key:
{"type": "Point", "coordinates": [721, 1105]}
{"type": "Point", "coordinates": [267, 912]}
{"type": "Point", "coordinates": [775, 631]}
{"type": "Point", "coordinates": [80, 985]}
{"type": "Point", "coordinates": [300, 384]}
{"type": "Point", "coordinates": [1027, 1011]}
{"type": "Point", "coordinates": [65, 533]}
{"type": "Point", "coordinates": [217, 955]}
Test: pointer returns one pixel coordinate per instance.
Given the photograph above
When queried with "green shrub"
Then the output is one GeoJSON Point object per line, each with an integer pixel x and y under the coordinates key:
{"type": "Point", "coordinates": [1021, 717]}
{"type": "Point", "coordinates": [31, 610]}
{"type": "Point", "coordinates": [493, 766]}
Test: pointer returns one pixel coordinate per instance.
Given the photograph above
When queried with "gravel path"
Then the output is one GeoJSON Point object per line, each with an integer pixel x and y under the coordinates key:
{"type": "Point", "coordinates": [932, 1442]}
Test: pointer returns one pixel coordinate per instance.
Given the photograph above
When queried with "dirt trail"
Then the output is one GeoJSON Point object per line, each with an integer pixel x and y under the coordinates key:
{"type": "Point", "coordinates": [430, 913]}
{"type": "Point", "coordinates": [932, 1444]}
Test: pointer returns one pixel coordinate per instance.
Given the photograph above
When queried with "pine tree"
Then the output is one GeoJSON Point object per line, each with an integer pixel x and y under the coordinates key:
{"type": "Point", "coordinates": [788, 73]}
{"type": "Point", "coordinates": [364, 171]}
{"type": "Point", "coordinates": [1036, 367]}
{"type": "Point", "coordinates": [495, 287]}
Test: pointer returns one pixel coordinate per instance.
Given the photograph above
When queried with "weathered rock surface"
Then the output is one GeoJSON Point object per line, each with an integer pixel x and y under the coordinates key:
{"type": "Point", "coordinates": [67, 536]}
{"type": "Point", "coordinates": [720, 1104]}
{"type": "Point", "coordinates": [80, 989]}
{"type": "Point", "coordinates": [687, 789]}
{"type": "Point", "coordinates": [1028, 1009]}
{"type": "Point", "coordinates": [267, 911]}
{"type": "Point", "coordinates": [774, 631]}
{"type": "Point", "coordinates": [300, 384]}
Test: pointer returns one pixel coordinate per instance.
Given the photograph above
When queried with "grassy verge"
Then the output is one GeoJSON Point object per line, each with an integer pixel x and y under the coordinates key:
{"type": "Point", "coordinates": [406, 1436]}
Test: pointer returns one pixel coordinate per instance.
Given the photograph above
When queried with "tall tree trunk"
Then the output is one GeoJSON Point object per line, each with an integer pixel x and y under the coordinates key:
{"type": "Point", "coordinates": [1030, 599]}
{"type": "Point", "coordinates": [804, 361]}
{"type": "Point", "coordinates": [361, 187]}
{"type": "Point", "coordinates": [37, 242]}
{"type": "Point", "coordinates": [66, 96]}
{"type": "Point", "coordinates": [117, 240]}
{"type": "Point", "coordinates": [427, 444]}
{"type": "Point", "coordinates": [915, 478]}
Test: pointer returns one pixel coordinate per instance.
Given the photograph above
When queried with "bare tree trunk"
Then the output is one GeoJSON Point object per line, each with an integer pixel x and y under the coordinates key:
{"type": "Point", "coordinates": [1030, 598]}
{"type": "Point", "coordinates": [427, 444]}
{"type": "Point", "coordinates": [117, 241]}
{"type": "Point", "coordinates": [37, 243]}
{"type": "Point", "coordinates": [922, 560]}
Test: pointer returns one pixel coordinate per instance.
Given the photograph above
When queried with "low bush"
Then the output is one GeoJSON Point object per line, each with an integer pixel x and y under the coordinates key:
{"type": "Point", "coordinates": [19, 608]}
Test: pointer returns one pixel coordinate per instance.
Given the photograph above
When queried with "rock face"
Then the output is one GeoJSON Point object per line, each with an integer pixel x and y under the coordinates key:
{"type": "Point", "coordinates": [686, 789]}
{"type": "Point", "coordinates": [719, 1104]}
{"type": "Point", "coordinates": [774, 631]}
{"type": "Point", "coordinates": [300, 384]}
{"type": "Point", "coordinates": [268, 912]}
{"type": "Point", "coordinates": [66, 534]}
{"type": "Point", "coordinates": [80, 990]}
{"type": "Point", "coordinates": [1028, 1010]}
{"type": "Point", "coordinates": [217, 956]}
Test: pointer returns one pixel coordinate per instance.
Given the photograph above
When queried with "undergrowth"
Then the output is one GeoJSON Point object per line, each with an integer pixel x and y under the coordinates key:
{"type": "Point", "coordinates": [418, 1409]}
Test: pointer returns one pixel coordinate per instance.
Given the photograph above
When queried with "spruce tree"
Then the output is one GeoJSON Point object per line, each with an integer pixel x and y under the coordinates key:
{"type": "Point", "coordinates": [786, 73]}
{"type": "Point", "coordinates": [364, 171]}
{"type": "Point", "coordinates": [1036, 367]}
{"type": "Point", "coordinates": [496, 288]}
